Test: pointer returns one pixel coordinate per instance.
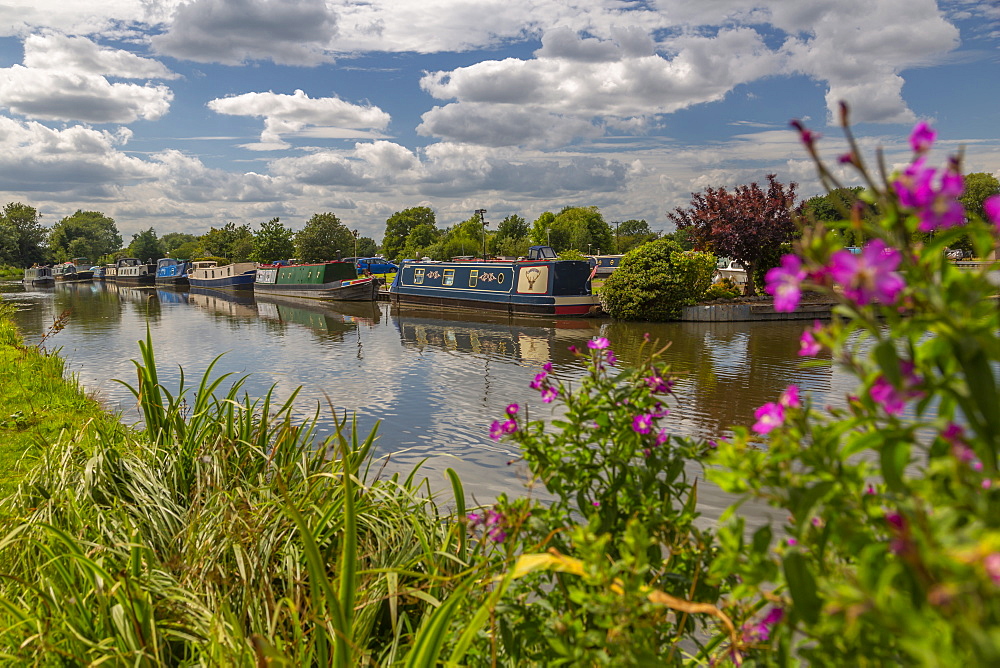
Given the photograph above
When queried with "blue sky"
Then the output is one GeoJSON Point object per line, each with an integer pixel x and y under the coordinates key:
{"type": "Point", "coordinates": [186, 115]}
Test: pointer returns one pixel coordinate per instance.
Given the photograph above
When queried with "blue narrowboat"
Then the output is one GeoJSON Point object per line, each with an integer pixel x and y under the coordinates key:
{"type": "Point", "coordinates": [542, 285]}
{"type": "Point", "coordinates": [236, 276]}
{"type": "Point", "coordinates": [604, 265]}
{"type": "Point", "coordinates": [172, 272]}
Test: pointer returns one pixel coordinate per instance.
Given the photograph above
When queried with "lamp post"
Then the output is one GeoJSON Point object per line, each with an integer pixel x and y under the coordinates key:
{"type": "Point", "coordinates": [588, 249]}
{"type": "Point", "coordinates": [548, 236]}
{"type": "Point", "coordinates": [355, 233]}
{"type": "Point", "coordinates": [482, 219]}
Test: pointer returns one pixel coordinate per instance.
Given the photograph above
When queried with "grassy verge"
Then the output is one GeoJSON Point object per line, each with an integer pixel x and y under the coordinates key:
{"type": "Point", "coordinates": [39, 406]}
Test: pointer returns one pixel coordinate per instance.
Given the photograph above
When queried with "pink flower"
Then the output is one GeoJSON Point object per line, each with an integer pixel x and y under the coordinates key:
{"type": "Point", "coordinates": [784, 283]}
{"type": "Point", "coordinates": [642, 424]}
{"type": "Point", "coordinates": [790, 397]}
{"type": "Point", "coordinates": [807, 136]}
{"type": "Point", "coordinates": [612, 358]}
{"type": "Point", "coordinates": [893, 399]}
{"type": "Point", "coordinates": [512, 409]}
{"type": "Point", "coordinates": [549, 393]}
{"type": "Point", "coordinates": [922, 137]}
{"type": "Point", "coordinates": [937, 207]}
{"type": "Point", "coordinates": [808, 345]}
{"type": "Point", "coordinates": [870, 276]}
{"type": "Point", "coordinates": [769, 416]}
{"type": "Point", "coordinates": [991, 207]}
{"type": "Point", "coordinates": [500, 429]}
{"type": "Point", "coordinates": [761, 631]}
{"type": "Point", "coordinates": [598, 343]}
{"type": "Point", "coordinates": [991, 563]}
{"type": "Point", "coordinates": [659, 384]}
{"type": "Point", "coordinates": [539, 380]}
{"type": "Point", "coordinates": [662, 437]}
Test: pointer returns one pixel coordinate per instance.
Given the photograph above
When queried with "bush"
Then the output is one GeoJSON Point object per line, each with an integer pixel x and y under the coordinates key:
{"type": "Point", "coordinates": [655, 280]}
{"type": "Point", "coordinates": [724, 288]}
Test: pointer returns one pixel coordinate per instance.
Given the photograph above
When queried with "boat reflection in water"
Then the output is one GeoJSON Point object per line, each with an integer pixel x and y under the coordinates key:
{"type": "Point", "coordinates": [528, 340]}
{"type": "Point", "coordinates": [226, 303]}
{"type": "Point", "coordinates": [327, 320]}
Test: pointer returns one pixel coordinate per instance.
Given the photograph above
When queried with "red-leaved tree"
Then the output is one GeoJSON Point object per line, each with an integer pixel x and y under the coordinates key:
{"type": "Point", "coordinates": [747, 224]}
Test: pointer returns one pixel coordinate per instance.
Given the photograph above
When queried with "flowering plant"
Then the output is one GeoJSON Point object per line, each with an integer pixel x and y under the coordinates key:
{"type": "Point", "coordinates": [891, 550]}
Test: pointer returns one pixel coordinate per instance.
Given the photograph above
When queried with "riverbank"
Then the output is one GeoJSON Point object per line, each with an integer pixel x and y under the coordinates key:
{"type": "Point", "coordinates": [40, 405]}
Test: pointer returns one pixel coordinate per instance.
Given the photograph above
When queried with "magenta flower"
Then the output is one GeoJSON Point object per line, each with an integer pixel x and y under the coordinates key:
{"type": "Point", "coordinates": [659, 384]}
{"type": "Point", "coordinates": [512, 409]}
{"type": "Point", "coordinates": [991, 207]}
{"type": "Point", "coordinates": [808, 137]}
{"type": "Point", "coordinates": [539, 380]}
{"type": "Point", "coordinates": [870, 276]}
{"type": "Point", "coordinates": [612, 358]}
{"type": "Point", "coordinates": [936, 206]}
{"type": "Point", "coordinates": [598, 343]}
{"type": "Point", "coordinates": [500, 429]}
{"type": "Point", "coordinates": [790, 397]}
{"type": "Point", "coordinates": [922, 137]}
{"type": "Point", "coordinates": [769, 416]}
{"type": "Point", "coordinates": [662, 437]}
{"type": "Point", "coordinates": [549, 393]}
{"type": "Point", "coordinates": [991, 563]}
{"type": "Point", "coordinates": [642, 424]}
{"type": "Point", "coordinates": [893, 399]}
{"type": "Point", "coordinates": [784, 283]}
{"type": "Point", "coordinates": [761, 631]}
{"type": "Point", "coordinates": [808, 345]}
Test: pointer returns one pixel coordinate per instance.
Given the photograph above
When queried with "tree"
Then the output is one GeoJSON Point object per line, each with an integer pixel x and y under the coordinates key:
{"type": "Point", "coordinates": [88, 234]}
{"type": "Point", "coordinates": [747, 224]}
{"type": "Point", "coordinates": [978, 187]}
{"type": "Point", "coordinates": [632, 233]}
{"type": "Point", "coordinates": [540, 229]}
{"type": "Point", "coordinates": [421, 240]}
{"type": "Point", "coordinates": [582, 228]}
{"type": "Point", "coordinates": [146, 246]}
{"type": "Point", "coordinates": [22, 234]}
{"type": "Point", "coordinates": [323, 238]}
{"type": "Point", "coordinates": [398, 227]}
{"type": "Point", "coordinates": [231, 242]}
{"type": "Point", "coordinates": [367, 247]}
{"type": "Point", "coordinates": [838, 205]}
{"type": "Point", "coordinates": [173, 240]}
{"type": "Point", "coordinates": [273, 241]}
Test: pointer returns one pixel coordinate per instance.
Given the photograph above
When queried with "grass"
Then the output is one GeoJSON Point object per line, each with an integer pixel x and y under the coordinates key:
{"type": "Point", "coordinates": [223, 534]}
{"type": "Point", "coordinates": [8, 273]}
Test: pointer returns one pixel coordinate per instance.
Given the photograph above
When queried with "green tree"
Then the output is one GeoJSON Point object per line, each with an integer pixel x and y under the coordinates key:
{"type": "Point", "coordinates": [511, 238]}
{"type": "Point", "coordinates": [839, 205]}
{"type": "Point", "coordinates": [173, 240]}
{"type": "Point", "coordinates": [273, 241]}
{"type": "Point", "coordinates": [146, 246]}
{"type": "Point", "coordinates": [632, 233]}
{"type": "Point", "coordinates": [582, 228]}
{"type": "Point", "coordinates": [399, 225]}
{"type": "Point", "coordinates": [229, 241]}
{"type": "Point", "coordinates": [978, 187]}
{"type": "Point", "coordinates": [189, 250]}
{"type": "Point", "coordinates": [88, 234]}
{"type": "Point", "coordinates": [540, 229]}
{"type": "Point", "coordinates": [423, 240]}
{"type": "Point", "coordinates": [323, 238]}
{"type": "Point", "coordinates": [23, 235]}
{"type": "Point", "coordinates": [367, 247]}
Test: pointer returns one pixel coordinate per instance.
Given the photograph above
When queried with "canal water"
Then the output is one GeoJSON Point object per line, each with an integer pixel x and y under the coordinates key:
{"type": "Point", "coordinates": [431, 381]}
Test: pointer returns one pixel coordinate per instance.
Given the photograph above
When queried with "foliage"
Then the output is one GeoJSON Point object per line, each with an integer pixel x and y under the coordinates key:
{"type": "Point", "coordinates": [367, 247]}
{"type": "Point", "coordinates": [22, 236]}
{"type": "Point", "coordinates": [655, 280]}
{"type": "Point", "coordinates": [682, 237]}
{"type": "Point", "coordinates": [631, 234]}
{"type": "Point", "coordinates": [88, 234]}
{"type": "Point", "coordinates": [273, 241]}
{"type": "Point", "coordinates": [398, 227]}
{"type": "Point", "coordinates": [145, 246]}
{"type": "Point", "coordinates": [837, 205]}
{"type": "Point", "coordinates": [572, 254]}
{"type": "Point", "coordinates": [978, 188]}
{"type": "Point", "coordinates": [229, 241]}
{"type": "Point", "coordinates": [891, 551]}
{"type": "Point", "coordinates": [746, 224]}
{"type": "Point", "coordinates": [324, 237]}
{"type": "Point", "coordinates": [173, 240]}
{"type": "Point", "coordinates": [581, 228]}
{"type": "Point", "coordinates": [724, 288]}
{"type": "Point", "coordinates": [421, 241]}
{"type": "Point", "coordinates": [512, 227]}
{"type": "Point", "coordinates": [540, 229]}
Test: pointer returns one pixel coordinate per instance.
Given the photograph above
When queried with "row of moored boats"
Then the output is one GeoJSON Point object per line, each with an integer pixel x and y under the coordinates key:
{"type": "Point", "coordinates": [540, 284]}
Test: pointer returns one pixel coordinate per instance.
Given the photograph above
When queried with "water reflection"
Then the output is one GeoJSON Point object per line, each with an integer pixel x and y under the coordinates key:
{"type": "Point", "coordinates": [432, 381]}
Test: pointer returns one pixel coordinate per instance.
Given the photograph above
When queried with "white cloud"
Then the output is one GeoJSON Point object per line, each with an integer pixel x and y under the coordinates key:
{"type": "Point", "coordinates": [57, 52]}
{"type": "Point", "coordinates": [289, 32]}
{"type": "Point", "coordinates": [297, 113]}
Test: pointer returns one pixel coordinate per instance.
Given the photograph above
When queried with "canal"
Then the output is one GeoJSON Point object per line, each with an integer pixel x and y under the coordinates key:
{"type": "Point", "coordinates": [432, 382]}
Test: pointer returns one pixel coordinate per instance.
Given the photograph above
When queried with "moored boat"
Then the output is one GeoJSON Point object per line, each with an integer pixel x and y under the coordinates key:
{"type": "Point", "coordinates": [111, 272]}
{"type": "Point", "coordinates": [133, 271]}
{"type": "Point", "coordinates": [39, 276]}
{"type": "Point", "coordinates": [235, 276]}
{"type": "Point", "coordinates": [330, 281]}
{"type": "Point", "coordinates": [604, 265]}
{"type": "Point", "coordinates": [99, 271]}
{"type": "Point", "coordinates": [542, 285]}
{"type": "Point", "coordinates": [172, 272]}
{"type": "Point", "coordinates": [77, 269]}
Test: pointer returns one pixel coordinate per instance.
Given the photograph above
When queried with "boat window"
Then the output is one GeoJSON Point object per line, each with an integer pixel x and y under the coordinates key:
{"type": "Point", "coordinates": [418, 276]}
{"type": "Point", "coordinates": [449, 277]}
{"type": "Point", "coordinates": [473, 278]}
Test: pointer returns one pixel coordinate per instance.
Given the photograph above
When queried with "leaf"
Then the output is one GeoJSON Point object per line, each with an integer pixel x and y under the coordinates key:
{"type": "Point", "coordinates": [802, 587]}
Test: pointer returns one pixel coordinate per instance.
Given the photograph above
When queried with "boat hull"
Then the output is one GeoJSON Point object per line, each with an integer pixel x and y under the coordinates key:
{"type": "Point", "coordinates": [326, 281]}
{"type": "Point", "coordinates": [362, 290]}
{"type": "Point", "coordinates": [238, 276]}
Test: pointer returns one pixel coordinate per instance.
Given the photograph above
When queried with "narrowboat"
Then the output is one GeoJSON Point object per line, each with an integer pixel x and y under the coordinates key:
{"type": "Point", "coordinates": [604, 265]}
{"type": "Point", "coordinates": [172, 272]}
{"type": "Point", "coordinates": [111, 272]}
{"type": "Point", "coordinates": [542, 285]}
{"type": "Point", "coordinates": [329, 281]}
{"type": "Point", "coordinates": [132, 271]}
{"type": "Point", "coordinates": [99, 271]}
{"type": "Point", "coordinates": [73, 270]}
{"type": "Point", "coordinates": [39, 276]}
{"type": "Point", "coordinates": [236, 276]}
